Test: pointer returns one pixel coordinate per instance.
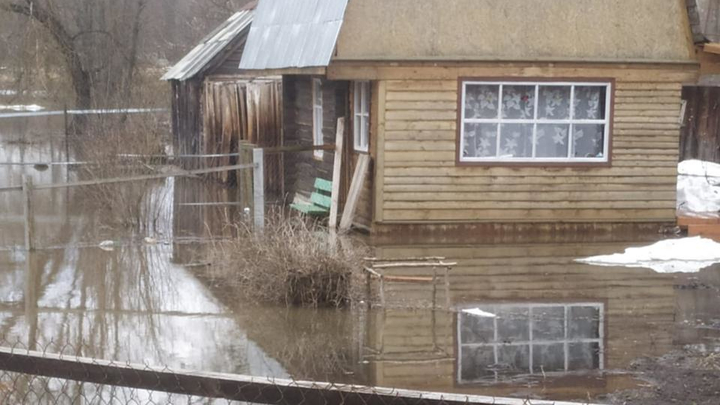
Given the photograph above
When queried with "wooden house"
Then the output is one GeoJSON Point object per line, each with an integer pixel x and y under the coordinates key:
{"type": "Point", "coordinates": [485, 115]}
{"type": "Point", "coordinates": [215, 106]}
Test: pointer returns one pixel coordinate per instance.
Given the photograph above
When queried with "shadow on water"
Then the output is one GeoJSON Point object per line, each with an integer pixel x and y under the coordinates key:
{"type": "Point", "coordinates": [524, 319]}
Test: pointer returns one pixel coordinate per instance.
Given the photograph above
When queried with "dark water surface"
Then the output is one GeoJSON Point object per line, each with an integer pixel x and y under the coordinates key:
{"type": "Point", "coordinates": [524, 319]}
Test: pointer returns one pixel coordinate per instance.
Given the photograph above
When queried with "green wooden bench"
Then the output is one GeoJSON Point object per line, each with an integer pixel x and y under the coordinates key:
{"type": "Point", "coordinates": [320, 200]}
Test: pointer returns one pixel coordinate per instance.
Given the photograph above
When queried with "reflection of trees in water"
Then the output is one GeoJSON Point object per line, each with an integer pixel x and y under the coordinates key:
{"type": "Point", "coordinates": [125, 305]}
{"type": "Point", "coordinates": [312, 344]}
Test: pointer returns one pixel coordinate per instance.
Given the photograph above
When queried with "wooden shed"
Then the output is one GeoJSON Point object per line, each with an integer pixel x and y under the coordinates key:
{"type": "Point", "coordinates": [215, 106]}
{"type": "Point", "coordinates": [485, 115]}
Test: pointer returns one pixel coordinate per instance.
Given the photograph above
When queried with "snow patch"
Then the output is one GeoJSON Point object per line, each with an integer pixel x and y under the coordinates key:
{"type": "Point", "coordinates": [687, 255]}
{"type": "Point", "coordinates": [31, 107]}
{"type": "Point", "coordinates": [698, 187]}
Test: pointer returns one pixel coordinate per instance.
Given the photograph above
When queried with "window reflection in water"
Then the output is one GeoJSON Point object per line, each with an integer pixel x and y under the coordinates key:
{"type": "Point", "coordinates": [502, 341]}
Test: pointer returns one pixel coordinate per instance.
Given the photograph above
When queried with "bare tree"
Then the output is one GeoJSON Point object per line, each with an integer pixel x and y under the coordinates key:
{"type": "Point", "coordinates": [99, 41]}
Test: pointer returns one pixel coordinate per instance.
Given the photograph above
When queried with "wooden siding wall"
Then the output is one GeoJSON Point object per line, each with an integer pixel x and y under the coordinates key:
{"type": "Point", "coordinates": [417, 180]}
{"type": "Point", "coordinates": [701, 126]}
{"type": "Point", "coordinates": [301, 169]}
{"type": "Point", "coordinates": [639, 307]}
{"type": "Point", "coordinates": [231, 59]}
{"type": "Point", "coordinates": [240, 110]}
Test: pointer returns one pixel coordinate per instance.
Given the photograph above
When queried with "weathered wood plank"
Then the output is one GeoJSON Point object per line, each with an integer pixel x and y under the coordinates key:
{"type": "Point", "coordinates": [532, 172]}
{"type": "Point", "coordinates": [412, 115]}
{"type": "Point", "coordinates": [510, 204]}
{"type": "Point", "coordinates": [422, 96]}
{"type": "Point", "coordinates": [648, 179]}
{"type": "Point", "coordinates": [421, 105]}
{"type": "Point", "coordinates": [533, 215]}
{"type": "Point", "coordinates": [431, 195]}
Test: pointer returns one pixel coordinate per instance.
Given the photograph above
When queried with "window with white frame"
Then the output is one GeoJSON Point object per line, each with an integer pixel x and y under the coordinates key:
{"type": "Point", "coordinates": [361, 116]}
{"type": "Point", "coordinates": [535, 122]}
{"type": "Point", "coordinates": [502, 341]}
{"type": "Point", "coordinates": [317, 100]}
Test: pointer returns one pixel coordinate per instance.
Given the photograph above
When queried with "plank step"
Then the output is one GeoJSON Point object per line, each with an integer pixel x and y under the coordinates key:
{"type": "Point", "coordinates": [685, 222]}
{"type": "Point", "coordinates": [712, 230]}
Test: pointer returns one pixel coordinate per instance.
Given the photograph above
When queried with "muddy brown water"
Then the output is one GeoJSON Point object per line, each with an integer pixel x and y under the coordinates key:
{"type": "Point", "coordinates": [525, 320]}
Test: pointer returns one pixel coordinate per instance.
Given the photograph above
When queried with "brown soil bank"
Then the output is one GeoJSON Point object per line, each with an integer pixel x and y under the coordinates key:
{"type": "Point", "coordinates": [687, 377]}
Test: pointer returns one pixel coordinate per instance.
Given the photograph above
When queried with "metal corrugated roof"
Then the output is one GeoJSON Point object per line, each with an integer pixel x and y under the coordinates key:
{"type": "Point", "coordinates": [293, 34]}
{"type": "Point", "coordinates": [211, 46]}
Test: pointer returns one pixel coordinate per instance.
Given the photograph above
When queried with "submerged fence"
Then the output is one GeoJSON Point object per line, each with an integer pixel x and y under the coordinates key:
{"type": "Point", "coordinates": [254, 186]}
{"type": "Point", "coordinates": [35, 377]}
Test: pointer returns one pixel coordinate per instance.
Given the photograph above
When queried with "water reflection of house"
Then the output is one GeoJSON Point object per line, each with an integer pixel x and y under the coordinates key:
{"type": "Point", "coordinates": [530, 310]}
{"type": "Point", "coordinates": [512, 123]}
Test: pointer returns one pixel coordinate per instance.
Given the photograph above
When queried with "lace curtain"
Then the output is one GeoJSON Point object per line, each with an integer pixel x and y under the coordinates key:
{"type": "Point", "coordinates": [508, 126]}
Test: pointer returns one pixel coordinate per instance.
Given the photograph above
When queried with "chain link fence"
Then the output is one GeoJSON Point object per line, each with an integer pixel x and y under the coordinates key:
{"type": "Point", "coordinates": [39, 376]}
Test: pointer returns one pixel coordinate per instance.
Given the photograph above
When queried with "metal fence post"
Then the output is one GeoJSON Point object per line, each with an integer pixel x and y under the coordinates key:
{"type": "Point", "coordinates": [259, 188]}
{"type": "Point", "coordinates": [27, 184]}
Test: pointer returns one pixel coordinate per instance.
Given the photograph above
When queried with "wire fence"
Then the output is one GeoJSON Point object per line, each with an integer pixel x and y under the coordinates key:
{"type": "Point", "coordinates": [36, 375]}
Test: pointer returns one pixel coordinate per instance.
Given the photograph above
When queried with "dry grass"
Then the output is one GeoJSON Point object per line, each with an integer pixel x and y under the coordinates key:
{"type": "Point", "coordinates": [291, 262]}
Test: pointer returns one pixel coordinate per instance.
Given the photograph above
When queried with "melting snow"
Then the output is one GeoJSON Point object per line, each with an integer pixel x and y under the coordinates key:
{"type": "Point", "coordinates": [698, 187]}
{"type": "Point", "coordinates": [688, 255]}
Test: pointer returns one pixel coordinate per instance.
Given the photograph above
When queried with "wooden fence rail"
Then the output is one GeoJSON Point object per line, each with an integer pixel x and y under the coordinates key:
{"type": "Point", "coordinates": [259, 390]}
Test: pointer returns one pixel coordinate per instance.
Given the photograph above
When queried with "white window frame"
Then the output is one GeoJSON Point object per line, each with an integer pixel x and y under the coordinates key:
{"type": "Point", "coordinates": [535, 121]}
{"type": "Point", "coordinates": [317, 127]}
{"type": "Point", "coordinates": [361, 116]}
{"type": "Point", "coordinates": [566, 341]}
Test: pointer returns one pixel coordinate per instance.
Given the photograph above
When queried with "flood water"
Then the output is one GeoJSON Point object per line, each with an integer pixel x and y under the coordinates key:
{"type": "Point", "coordinates": [521, 319]}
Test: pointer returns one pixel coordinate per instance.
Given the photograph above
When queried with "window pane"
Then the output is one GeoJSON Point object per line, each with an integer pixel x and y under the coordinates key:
{"type": "Point", "coordinates": [514, 359]}
{"type": "Point", "coordinates": [590, 102]}
{"type": "Point", "coordinates": [474, 362]}
{"type": "Point", "coordinates": [583, 356]}
{"type": "Point", "coordinates": [481, 101]}
{"type": "Point", "coordinates": [584, 323]}
{"type": "Point", "coordinates": [480, 140]}
{"type": "Point", "coordinates": [518, 102]}
{"type": "Point", "coordinates": [549, 358]}
{"type": "Point", "coordinates": [588, 141]}
{"type": "Point", "coordinates": [552, 140]}
{"type": "Point", "coordinates": [554, 103]}
{"type": "Point", "coordinates": [513, 324]}
{"type": "Point", "coordinates": [365, 132]}
{"type": "Point", "coordinates": [516, 140]}
{"type": "Point", "coordinates": [548, 323]}
{"type": "Point", "coordinates": [365, 97]}
{"type": "Point", "coordinates": [476, 329]}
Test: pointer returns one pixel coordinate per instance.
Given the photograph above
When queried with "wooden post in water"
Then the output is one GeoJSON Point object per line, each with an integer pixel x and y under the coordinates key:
{"type": "Point", "coordinates": [259, 188]}
{"type": "Point", "coordinates": [28, 211]}
{"type": "Point", "coordinates": [337, 166]}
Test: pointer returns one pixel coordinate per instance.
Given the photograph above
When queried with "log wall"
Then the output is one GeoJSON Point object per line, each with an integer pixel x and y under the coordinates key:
{"type": "Point", "coordinates": [417, 179]}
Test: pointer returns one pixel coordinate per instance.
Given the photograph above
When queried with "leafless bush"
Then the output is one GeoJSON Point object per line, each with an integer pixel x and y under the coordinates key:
{"type": "Point", "coordinates": [291, 262]}
{"type": "Point", "coordinates": [125, 147]}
